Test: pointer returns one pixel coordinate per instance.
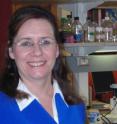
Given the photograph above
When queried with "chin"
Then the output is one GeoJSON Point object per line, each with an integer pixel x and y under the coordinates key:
{"type": "Point", "coordinates": [37, 76]}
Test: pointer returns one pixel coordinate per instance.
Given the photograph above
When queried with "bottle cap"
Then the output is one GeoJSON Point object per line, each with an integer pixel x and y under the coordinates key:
{"type": "Point", "coordinates": [76, 18]}
{"type": "Point", "coordinates": [106, 18]}
{"type": "Point", "coordinates": [88, 18]}
{"type": "Point", "coordinates": [69, 16]}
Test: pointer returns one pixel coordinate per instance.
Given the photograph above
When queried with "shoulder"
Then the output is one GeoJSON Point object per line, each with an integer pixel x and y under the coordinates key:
{"type": "Point", "coordinates": [76, 114]}
{"type": "Point", "coordinates": [3, 96]}
{"type": "Point", "coordinates": [4, 100]}
{"type": "Point", "coordinates": [7, 105]}
{"type": "Point", "coordinates": [78, 109]}
{"type": "Point", "coordinates": [8, 109]}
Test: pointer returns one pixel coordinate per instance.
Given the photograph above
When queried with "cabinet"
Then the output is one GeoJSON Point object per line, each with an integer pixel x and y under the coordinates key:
{"type": "Point", "coordinates": [99, 12]}
{"type": "Point", "coordinates": [81, 64]}
{"type": "Point", "coordinates": [51, 6]}
{"type": "Point", "coordinates": [83, 49]}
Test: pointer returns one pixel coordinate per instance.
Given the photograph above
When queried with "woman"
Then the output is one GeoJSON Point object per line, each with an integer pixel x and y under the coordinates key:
{"type": "Point", "coordinates": [34, 87]}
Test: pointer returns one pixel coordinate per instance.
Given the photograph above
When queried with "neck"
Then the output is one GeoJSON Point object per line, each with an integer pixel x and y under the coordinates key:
{"type": "Point", "coordinates": [39, 88]}
{"type": "Point", "coordinates": [43, 90]}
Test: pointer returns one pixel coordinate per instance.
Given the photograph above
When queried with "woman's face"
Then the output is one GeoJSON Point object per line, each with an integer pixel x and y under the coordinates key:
{"type": "Point", "coordinates": [35, 50]}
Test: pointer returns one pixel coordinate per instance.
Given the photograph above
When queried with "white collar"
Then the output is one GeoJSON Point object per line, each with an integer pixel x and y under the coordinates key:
{"type": "Point", "coordinates": [25, 102]}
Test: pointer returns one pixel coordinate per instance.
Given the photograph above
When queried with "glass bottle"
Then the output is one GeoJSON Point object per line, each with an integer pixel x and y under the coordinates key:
{"type": "Point", "coordinates": [107, 28]}
{"type": "Point", "coordinates": [115, 31]}
{"type": "Point", "coordinates": [99, 33]}
{"type": "Point", "coordinates": [89, 30]}
{"type": "Point", "coordinates": [77, 30]}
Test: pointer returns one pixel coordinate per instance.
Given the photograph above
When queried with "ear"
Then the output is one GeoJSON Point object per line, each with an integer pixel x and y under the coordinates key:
{"type": "Point", "coordinates": [57, 52]}
{"type": "Point", "coordinates": [11, 54]}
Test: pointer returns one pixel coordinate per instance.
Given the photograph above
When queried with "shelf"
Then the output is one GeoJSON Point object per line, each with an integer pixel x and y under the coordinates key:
{"type": "Point", "coordinates": [55, 1]}
{"type": "Point", "coordinates": [83, 49]}
{"type": "Point", "coordinates": [108, 4]}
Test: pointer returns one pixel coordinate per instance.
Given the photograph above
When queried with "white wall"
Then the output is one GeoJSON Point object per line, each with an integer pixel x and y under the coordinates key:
{"type": "Point", "coordinates": [83, 88]}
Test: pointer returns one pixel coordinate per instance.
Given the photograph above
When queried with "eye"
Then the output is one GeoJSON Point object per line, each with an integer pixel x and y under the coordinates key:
{"type": "Point", "coordinates": [45, 42]}
{"type": "Point", "coordinates": [25, 43]}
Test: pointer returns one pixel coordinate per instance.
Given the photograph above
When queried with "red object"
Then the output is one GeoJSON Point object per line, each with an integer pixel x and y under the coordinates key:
{"type": "Point", "coordinates": [91, 84]}
{"type": "Point", "coordinates": [5, 13]}
{"type": "Point", "coordinates": [115, 76]}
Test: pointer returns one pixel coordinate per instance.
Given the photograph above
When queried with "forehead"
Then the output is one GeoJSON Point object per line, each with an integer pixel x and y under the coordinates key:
{"type": "Point", "coordinates": [36, 27]}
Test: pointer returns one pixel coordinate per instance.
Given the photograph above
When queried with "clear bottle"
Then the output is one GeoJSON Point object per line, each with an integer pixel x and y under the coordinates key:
{"type": "Point", "coordinates": [107, 29]}
{"type": "Point", "coordinates": [85, 28]}
{"type": "Point", "coordinates": [115, 31]}
{"type": "Point", "coordinates": [89, 30]}
{"type": "Point", "coordinates": [99, 34]}
{"type": "Point", "coordinates": [77, 30]}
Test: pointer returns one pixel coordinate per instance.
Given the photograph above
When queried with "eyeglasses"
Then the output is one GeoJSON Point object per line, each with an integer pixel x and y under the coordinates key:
{"type": "Point", "coordinates": [27, 44]}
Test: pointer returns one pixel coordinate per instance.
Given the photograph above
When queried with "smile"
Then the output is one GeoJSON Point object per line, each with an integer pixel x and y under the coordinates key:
{"type": "Point", "coordinates": [36, 64]}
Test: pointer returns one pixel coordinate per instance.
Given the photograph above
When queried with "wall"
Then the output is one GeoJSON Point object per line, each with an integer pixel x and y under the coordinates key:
{"type": "Point", "coordinates": [5, 12]}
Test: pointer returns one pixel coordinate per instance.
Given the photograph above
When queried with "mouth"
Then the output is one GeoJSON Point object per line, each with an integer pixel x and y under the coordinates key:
{"type": "Point", "coordinates": [37, 64]}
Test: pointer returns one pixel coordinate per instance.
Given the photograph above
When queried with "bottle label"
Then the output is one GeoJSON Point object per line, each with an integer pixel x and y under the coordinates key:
{"type": "Point", "coordinates": [78, 37]}
{"type": "Point", "coordinates": [107, 29]}
{"type": "Point", "coordinates": [99, 37]}
{"type": "Point", "coordinates": [91, 33]}
{"type": "Point", "coordinates": [108, 34]}
{"type": "Point", "coordinates": [99, 34]}
{"type": "Point", "coordinates": [99, 29]}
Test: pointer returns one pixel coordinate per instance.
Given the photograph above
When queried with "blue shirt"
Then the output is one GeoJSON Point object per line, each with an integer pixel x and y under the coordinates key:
{"type": "Point", "coordinates": [34, 113]}
{"type": "Point", "coordinates": [25, 102]}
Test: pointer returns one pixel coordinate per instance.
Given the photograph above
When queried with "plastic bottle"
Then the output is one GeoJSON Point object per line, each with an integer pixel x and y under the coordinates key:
{"type": "Point", "coordinates": [107, 29]}
{"type": "Point", "coordinates": [89, 30]}
{"type": "Point", "coordinates": [77, 30]}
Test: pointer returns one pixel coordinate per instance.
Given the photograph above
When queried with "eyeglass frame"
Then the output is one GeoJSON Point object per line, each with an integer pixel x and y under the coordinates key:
{"type": "Point", "coordinates": [27, 44]}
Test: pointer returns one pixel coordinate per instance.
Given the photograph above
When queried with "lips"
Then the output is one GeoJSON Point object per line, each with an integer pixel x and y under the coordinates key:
{"type": "Point", "coordinates": [36, 64]}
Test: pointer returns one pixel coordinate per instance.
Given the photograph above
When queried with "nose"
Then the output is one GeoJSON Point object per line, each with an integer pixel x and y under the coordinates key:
{"type": "Point", "coordinates": [37, 51]}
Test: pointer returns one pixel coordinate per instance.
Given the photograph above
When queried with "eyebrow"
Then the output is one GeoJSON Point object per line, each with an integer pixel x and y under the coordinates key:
{"type": "Point", "coordinates": [29, 38]}
{"type": "Point", "coordinates": [24, 38]}
{"type": "Point", "coordinates": [44, 37]}
{"type": "Point", "coordinates": [48, 38]}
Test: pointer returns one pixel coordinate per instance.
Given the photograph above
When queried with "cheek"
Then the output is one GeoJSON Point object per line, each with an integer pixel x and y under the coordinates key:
{"type": "Point", "coordinates": [16, 54]}
{"type": "Point", "coordinates": [55, 53]}
{"type": "Point", "coordinates": [54, 56]}
{"type": "Point", "coordinates": [50, 56]}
